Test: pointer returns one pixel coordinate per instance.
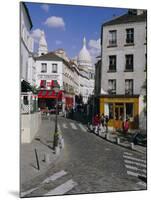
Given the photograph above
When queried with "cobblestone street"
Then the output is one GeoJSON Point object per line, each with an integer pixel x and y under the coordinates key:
{"type": "Point", "coordinates": [89, 164]}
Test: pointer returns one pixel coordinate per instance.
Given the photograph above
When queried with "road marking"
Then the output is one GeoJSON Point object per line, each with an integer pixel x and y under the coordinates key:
{"type": "Point", "coordinates": [136, 159]}
{"type": "Point", "coordinates": [73, 126]}
{"type": "Point", "coordinates": [135, 168]}
{"type": "Point", "coordinates": [142, 184]}
{"type": "Point", "coordinates": [63, 188]}
{"type": "Point", "coordinates": [64, 126]}
{"type": "Point", "coordinates": [82, 127]}
{"type": "Point", "coordinates": [55, 176]}
{"type": "Point", "coordinates": [28, 191]}
{"type": "Point", "coordinates": [127, 153]}
{"type": "Point", "coordinates": [135, 174]}
{"type": "Point", "coordinates": [135, 163]}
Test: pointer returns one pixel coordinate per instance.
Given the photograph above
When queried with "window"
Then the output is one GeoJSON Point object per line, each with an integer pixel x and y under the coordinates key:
{"type": "Point", "coordinates": [112, 63]}
{"type": "Point", "coordinates": [54, 68]}
{"type": "Point", "coordinates": [129, 86]}
{"type": "Point", "coordinates": [43, 67]}
{"type": "Point", "coordinates": [130, 36]}
{"type": "Point", "coordinates": [43, 84]}
{"type": "Point", "coordinates": [129, 62]}
{"type": "Point", "coordinates": [110, 110]}
{"type": "Point", "coordinates": [129, 110]}
{"type": "Point", "coordinates": [112, 37]}
{"type": "Point", "coordinates": [112, 86]}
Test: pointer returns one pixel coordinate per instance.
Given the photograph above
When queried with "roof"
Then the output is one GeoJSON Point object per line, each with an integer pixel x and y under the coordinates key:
{"type": "Point", "coordinates": [127, 18]}
{"type": "Point", "coordinates": [49, 56]}
{"type": "Point", "coordinates": [53, 56]}
{"type": "Point", "coordinates": [26, 9]}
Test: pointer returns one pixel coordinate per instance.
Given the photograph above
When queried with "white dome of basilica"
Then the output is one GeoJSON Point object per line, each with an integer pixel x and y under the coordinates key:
{"type": "Point", "coordinates": [84, 57]}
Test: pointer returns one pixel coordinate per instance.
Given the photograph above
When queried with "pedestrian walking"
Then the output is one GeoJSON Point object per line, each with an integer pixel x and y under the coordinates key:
{"type": "Point", "coordinates": [106, 122]}
{"type": "Point", "coordinates": [102, 122]}
{"type": "Point", "coordinates": [126, 125]}
{"type": "Point", "coordinates": [65, 112]}
{"type": "Point", "coordinates": [96, 123]}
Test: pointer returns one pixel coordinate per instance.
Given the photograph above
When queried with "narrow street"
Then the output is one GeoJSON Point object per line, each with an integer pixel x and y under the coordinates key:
{"type": "Point", "coordinates": [89, 164]}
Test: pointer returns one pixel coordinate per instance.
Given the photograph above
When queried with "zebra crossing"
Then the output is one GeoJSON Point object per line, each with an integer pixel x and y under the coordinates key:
{"type": "Point", "coordinates": [59, 189]}
{"type": "Point", "coordinates": [136, 167]}
{"type": "Point", "coordinates": [73, 126]}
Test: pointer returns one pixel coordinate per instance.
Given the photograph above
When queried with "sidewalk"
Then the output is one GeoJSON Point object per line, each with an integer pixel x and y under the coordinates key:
{"type": "Point", "coordinates": [124, 140]}
{"type": "Point", "coordinates": [42, 145]}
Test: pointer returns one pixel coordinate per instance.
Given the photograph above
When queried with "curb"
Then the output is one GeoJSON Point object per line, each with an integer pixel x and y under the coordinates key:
{"type": "Point", "coordinates": [116, 140]}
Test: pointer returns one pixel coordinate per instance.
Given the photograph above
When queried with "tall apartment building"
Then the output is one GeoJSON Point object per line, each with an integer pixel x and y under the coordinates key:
{"type": "Point", "coordinates": [123, 68]}
{"type": "Point", "coordinates": [30, 117]}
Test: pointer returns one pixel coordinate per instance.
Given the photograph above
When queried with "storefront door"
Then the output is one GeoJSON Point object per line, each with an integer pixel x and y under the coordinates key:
{"type": "Point", "coordinates": [119, 115]}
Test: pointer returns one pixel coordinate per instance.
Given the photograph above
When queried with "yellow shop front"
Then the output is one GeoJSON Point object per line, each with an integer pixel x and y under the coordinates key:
{"type": "Point", "coordinates": [120, 107]}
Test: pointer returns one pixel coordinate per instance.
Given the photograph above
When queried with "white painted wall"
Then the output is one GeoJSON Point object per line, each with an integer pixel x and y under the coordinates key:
{"type": "Point", "coordinates": [27, 45]}
{"type": "Point", "coordinates": [49, 75]}
{"type": "Point", "coordinates": [29, 126]}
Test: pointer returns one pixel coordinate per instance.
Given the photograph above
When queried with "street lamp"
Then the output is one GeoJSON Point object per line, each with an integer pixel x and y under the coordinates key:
{"type": "Point", "coordinates": [56, 136]}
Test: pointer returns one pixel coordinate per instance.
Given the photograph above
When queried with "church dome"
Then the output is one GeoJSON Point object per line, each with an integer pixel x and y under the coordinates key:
{"type": "Point", "coordinates": [84, 57]}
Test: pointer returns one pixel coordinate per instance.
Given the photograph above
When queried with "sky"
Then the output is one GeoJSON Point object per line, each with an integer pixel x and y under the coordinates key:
{"type": "Point", "coordinates": [66, 25]}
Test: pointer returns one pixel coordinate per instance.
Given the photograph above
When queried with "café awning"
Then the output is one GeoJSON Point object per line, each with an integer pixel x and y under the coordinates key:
{"type": "Point", "coordinates": [49, 94]}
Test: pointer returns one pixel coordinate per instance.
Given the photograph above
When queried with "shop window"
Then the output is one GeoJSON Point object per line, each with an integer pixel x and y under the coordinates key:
{"type": "Point", "coordinates": [25, 100]}
{"type": "Point", "coordinates": [110, 110]}
{"type": "Point", "coordinates": [129, 110]}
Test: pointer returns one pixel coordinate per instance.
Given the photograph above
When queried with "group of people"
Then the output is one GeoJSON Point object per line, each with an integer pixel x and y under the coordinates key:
{"type": "Point", "coordinates": [100, 122]}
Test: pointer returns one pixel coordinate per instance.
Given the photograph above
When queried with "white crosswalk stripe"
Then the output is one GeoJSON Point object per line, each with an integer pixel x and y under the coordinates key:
{"type": "Point", "coordinates": [82, 127]}
{"type": "Point", "coordinates": [23, 194]}
{"type": "Point", "coordinates": [135, 167]}
{"type": "Point", "coordinates": [55, 176]}
{"type": "Point", "coordinates": [135, 174]}
{"type": "Point", "coordinates": [63, 188]}
{"type": "Point", "coordinates": [73, 126]}
{"type": "Point", "coordinates": [142, 184]}
{"type": "Point", "coordinates": [127, 153]}
{"type": "Point", "coordinates": [136, 159]}
{"type": "Point", "coordinates": [135, 163]}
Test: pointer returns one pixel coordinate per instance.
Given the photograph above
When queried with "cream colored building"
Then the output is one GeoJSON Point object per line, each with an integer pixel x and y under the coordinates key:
{"type": "Point", "coordinates": [30, 118]}
{"type": "Point", "coordinates": [123, 69]}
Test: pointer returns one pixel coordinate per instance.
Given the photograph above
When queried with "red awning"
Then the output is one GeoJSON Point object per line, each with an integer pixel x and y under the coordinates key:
{"type": "Point", "coordinates": [49, 94]}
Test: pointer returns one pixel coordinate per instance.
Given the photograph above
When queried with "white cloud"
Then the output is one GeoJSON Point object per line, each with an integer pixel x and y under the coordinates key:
{"type": "Point", "coordinates": [94, 44]}
{"type": "Point", "coordinates": [45, 7]}
{"type": "Point", "coordinates": [58, 42]}
{"type": "Point", "coordinates": [36, 34]}
{"type": "Point", "coordinates": [94, 49]}
{"type": "Point", "coordinates": [55, 22]}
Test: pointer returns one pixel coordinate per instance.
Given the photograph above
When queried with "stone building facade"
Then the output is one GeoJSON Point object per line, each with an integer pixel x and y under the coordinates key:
{"type": "Point", "coordinates": [123, 68]}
